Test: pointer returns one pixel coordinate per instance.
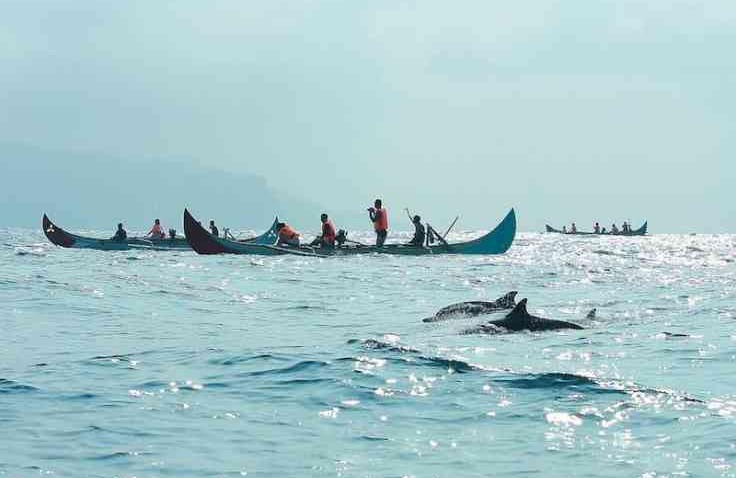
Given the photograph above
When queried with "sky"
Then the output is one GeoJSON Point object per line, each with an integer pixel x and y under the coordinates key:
{"type": "Point", "coordinates": [566, 110]}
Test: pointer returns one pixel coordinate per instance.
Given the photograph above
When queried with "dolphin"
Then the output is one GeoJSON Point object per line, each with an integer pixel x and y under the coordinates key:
{"type": "Point", "coordinates": [519, 319]}
{"type": "Point", "coordinates": [473, 308]}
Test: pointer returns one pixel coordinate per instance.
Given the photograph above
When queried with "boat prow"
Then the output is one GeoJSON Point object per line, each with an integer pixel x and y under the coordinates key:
{"type": "Point", "coordinates": [641, 231]}
{"type": "Point", "coordinates": [56, 235]}
{"type": "Point", "coordinates": [203, 242]}
{"type": "Point", "coordinates": [497, 241]}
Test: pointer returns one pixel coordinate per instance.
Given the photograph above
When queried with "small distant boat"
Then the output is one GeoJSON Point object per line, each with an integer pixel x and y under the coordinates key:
{"type": "Point", "coordinates": [636, 232]}
{"type": "Point", "coordinates": [60, 237]}
{"type": "Point", "coordinates": [497, 241]}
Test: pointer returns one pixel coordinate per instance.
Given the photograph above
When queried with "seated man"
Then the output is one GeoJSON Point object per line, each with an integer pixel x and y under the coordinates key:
{"type": "Point", "coordinates": [419, 232]}
{"type": "Point", "coordinates": [156, 232]}
{"type": "Point", "coordinates": [120, 234]}
{"type": "Point", "coordinates": [287, 235]}
{"type": "Point", "coordinates": [597, 228]}
{"type": "Point", "coordinates": [614, 228]}
{"type": "Point", "coordinates": [327, 238]}
{"type": "Point", "coordinates": [213, 229]}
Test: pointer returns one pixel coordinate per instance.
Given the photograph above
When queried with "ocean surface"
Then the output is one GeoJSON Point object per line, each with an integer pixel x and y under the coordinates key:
{"type": "Point", "coordinates": [151, 364]}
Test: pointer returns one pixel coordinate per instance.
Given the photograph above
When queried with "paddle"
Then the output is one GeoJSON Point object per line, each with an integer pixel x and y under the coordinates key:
{"type": "Point", "coordinates": [450, 228]}
{"type": "Point", "coordinates": [408, 214]}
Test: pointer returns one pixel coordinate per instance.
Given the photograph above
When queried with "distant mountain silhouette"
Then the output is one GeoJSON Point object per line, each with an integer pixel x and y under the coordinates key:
{"type": "Point", "coordinates": [86, 190]}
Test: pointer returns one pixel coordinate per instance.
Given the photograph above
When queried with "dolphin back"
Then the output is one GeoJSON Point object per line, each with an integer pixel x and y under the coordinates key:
{"type": "Point", "coordinates": [471, 308]}
{"type": "Point", "coordinates": [474, 307]}
{"type": "Point", "coordinates": [519, 319]}
{"type": "Point", "coordinates": [550, 324]}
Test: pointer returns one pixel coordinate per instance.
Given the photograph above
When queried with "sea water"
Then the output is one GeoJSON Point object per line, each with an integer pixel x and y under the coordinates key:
{"type": "Point", "coordinates": [152, 364]}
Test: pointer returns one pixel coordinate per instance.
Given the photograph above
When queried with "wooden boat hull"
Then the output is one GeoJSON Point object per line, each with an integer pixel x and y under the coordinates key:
{"type": "Point", "coordinates": [60, 237]}
{"type": "Point", "coordinates": [497, 241]}
{"type": "Point", "coordinates": [636, 232]}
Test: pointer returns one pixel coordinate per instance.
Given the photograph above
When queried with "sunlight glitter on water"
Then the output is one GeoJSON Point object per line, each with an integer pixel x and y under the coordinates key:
{"type": "Point", "coordinates": [231, 359]}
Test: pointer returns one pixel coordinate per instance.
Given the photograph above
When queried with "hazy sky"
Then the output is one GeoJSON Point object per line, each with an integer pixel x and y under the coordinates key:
{"type": "Point", "coordinates": [567, 110]}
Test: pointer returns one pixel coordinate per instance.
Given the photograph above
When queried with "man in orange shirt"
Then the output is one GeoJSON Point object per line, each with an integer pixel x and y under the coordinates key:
{"type": "Point", "coordinates": [379, 217]}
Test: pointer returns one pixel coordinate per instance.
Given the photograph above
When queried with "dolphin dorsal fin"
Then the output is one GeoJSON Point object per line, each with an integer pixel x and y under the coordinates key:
{"type": "Point", "coordinates": [507, 300]}
{"type": "Point", "coordinates": [519, 311]}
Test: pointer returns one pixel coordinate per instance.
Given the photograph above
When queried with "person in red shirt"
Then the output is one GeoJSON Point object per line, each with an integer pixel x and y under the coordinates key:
{"type": "Point", "coordinates": [156, 231]}
{"type": "Point", "coordinates": [379, 217]}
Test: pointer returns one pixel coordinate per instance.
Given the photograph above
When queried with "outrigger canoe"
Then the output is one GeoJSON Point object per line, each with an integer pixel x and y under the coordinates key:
{"type": "Point", "coordinates": [636, 232]}
{"type": "Point", "coordinates": [497, 241]}
{"type": "Point", "coordinates": [60, 237]}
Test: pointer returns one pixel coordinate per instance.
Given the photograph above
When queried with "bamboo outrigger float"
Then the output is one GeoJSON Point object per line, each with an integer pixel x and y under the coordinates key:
{"type": "Point", "coordinates": [497, 241]}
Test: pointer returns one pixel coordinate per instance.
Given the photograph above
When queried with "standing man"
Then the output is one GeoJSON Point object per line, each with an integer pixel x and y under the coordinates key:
{"type": "Point", "coordinates": [379, 217]}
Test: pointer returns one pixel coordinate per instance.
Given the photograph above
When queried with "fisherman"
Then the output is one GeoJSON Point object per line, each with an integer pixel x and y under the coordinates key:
{"type": "Point", "coordinates": [287, 235]}
{"type": "Point", "coordinates": [172, 233]}
{"type": "Point", "coordinates": [625, 228]}
{"type": "Point", "coordinates": [156, 231]}
{"type": "Point", "coordinates": [564, 229]}
{"type": "Point", "coordinates": [614, 228]}
{"type": "Point", "coordinates": [379, 217]}
{"type": "Point", "coordinates": [420, 233]}
{"type": "Point", "coordinates": [120, 234]}
{"type": "Point", "coordinates": [603, 231]}
{"type": "Point", "coordinates": [597, 228]}
{"type": "Point", "coordinates": [327, 238]}
{"type": "Point", "coordinates": [213, 229]}
{"type": "Point", "coordinates": [573, 228]}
